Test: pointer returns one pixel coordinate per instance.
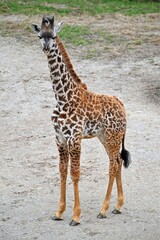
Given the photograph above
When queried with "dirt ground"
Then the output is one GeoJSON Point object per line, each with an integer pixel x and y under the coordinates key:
{"type": "Point", "coordinates": [29, 183]}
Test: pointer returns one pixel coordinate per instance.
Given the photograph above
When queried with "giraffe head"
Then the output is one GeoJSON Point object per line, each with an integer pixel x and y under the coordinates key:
{"type": "Point", "coordinates": [47, 32]}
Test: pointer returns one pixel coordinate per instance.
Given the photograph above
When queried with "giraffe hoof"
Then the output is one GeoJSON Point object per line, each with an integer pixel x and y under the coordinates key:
{"type": "Point", "coordinates": [55, 218]}
{"type": "Point", "coordinates": [116, 211]}
{"type": "Point", "coordinates": [101, 215]}
{"type": "Point", "coordinates": [74, 223]}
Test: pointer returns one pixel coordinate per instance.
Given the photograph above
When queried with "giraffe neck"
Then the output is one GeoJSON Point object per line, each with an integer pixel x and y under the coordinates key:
{"type": "Point", "coordinates": [62, 81]}
{"type": "Point", "coordinates": [68, 64]}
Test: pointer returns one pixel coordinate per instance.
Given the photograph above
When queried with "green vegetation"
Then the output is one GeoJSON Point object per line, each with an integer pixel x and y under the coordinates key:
{"type": "Point", "coordinates": [90, 40]}
{"type": "Point", "coordinates": [76, 35]}
{"type": "Point", "coordinates": [78, 7]}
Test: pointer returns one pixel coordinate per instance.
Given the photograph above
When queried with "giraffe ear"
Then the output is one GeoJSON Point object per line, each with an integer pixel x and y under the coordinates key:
{"type": "Point", "coordinates": [58, 27]}
{"type": "Point", "coordinates": [35, 28]}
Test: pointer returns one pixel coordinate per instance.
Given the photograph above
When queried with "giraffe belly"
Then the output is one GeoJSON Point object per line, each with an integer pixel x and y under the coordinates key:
{"type": "Point", "coordinates": [91, 130]}
{"type": "Point", "coordinates": [88, 136]}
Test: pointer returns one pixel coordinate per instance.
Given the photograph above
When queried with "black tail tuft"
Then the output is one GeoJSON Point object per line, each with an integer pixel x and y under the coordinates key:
{"type": "Point", "coordinates": [125, 155]}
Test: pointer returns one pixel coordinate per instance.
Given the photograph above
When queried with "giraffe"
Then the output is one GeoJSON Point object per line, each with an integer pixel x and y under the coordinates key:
{"type": "Point", "coordinates": [81, 114]}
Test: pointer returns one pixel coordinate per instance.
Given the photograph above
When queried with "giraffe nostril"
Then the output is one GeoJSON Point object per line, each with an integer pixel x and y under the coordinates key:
{"type": "Point", "coordinates": [46, 48]}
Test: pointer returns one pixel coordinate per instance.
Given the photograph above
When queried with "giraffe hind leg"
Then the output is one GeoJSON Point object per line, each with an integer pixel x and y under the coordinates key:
{"type": "Point", "coordinates": [113, 150]}
{"type": "Point", "coordinates": [120, 195]}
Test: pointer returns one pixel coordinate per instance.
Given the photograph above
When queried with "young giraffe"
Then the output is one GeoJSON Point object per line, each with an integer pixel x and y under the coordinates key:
{"type": "Point", "coordinates": [81, 114]}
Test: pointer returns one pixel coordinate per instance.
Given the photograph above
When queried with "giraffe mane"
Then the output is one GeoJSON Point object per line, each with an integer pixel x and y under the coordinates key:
{"type": "Point", "coordinates": [68, 63]}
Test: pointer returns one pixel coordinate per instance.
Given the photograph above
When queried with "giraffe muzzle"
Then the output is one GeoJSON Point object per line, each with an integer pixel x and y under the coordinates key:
{"type": "Point", "coordinates": [46, 48]}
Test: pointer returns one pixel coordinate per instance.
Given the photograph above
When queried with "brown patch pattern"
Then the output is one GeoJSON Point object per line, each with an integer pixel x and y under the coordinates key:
{"type": "Point", "coordinates": [80, 114]}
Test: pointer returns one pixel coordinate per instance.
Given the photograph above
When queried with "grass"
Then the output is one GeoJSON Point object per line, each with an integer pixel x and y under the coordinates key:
{"type": "Point", "coordinates": [91, 40]}
{"type": "Point", "coordinates": [78, 7]}
{"type": "Point", "coordinates": [76, 35]}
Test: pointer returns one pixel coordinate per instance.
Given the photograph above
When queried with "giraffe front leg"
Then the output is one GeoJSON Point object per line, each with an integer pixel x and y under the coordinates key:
{"type": "Point", "coordinates": [63, 167]}
{"type": "Point", "coordinates": [74, 150]}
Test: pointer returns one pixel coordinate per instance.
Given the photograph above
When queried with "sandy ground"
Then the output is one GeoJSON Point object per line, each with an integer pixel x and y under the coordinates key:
{"type": "Point", "coordinates": [29, 183]}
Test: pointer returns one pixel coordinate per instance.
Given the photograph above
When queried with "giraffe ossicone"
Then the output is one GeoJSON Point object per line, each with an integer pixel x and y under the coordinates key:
{"type": "Point", "coordinates": [81, 114]}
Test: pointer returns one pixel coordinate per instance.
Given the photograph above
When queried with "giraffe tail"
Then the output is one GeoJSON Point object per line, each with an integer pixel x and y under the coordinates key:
{"type": "Point", "coordinates": [125, 155]}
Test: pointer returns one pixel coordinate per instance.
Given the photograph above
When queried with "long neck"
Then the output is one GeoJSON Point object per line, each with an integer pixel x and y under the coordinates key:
{"type": "Point", "coordinates": [68, 64]}
{"type": "Point", "coordinates": [63, 84]}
